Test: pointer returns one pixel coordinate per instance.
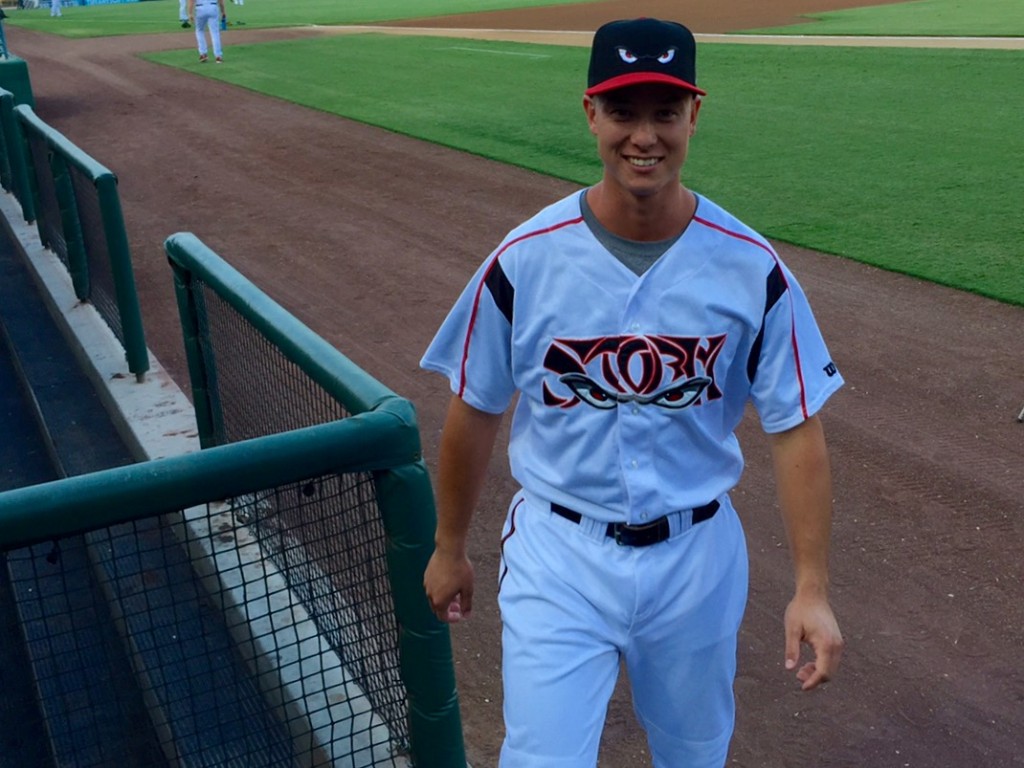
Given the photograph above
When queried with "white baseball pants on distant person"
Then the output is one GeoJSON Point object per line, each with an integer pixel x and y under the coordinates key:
{"type": "Point", "coordinates": [208, 16]}
{"type": "Point", "coordinates": [182, 10]}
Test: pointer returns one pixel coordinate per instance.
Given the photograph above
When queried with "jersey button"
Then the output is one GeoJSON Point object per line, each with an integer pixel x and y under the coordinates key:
{"type": "Point", "coordinates": [634, 463]}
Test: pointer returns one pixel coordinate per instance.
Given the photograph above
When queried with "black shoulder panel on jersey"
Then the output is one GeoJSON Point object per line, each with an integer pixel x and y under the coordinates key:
{"type": "Point", "coordinates": [774, 287]}
{"type": "Point", "coordinates": [501, 290]}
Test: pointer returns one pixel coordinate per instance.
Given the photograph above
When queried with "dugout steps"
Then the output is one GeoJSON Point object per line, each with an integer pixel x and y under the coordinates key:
{"type": "Point", "coordinates": [69, 666]}
{"type": "Point", "coordinates": [23, 460]}
{"type": "Point", "coordinates": [75, 429]}
{"type": "Point", "coordinates": [53, 412]}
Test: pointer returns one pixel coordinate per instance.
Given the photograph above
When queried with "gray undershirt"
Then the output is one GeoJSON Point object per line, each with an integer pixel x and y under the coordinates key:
{"type": "Point", "coordinates": [638, 256]}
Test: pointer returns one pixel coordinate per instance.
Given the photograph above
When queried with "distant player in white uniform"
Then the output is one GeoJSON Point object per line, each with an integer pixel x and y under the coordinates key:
{"type": "Point", "coordinates": [183, 13]}
{"type": "Point", "coordinates": [55, 8]}
{"type": "Point", "coordinates": [635, 320]}
{"type": "Point", "coordinates": [207, 14]}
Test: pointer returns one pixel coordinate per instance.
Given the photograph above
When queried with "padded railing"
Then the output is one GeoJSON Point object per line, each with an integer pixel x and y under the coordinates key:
{"type": "Point", "coordinates": [256, 370]}
{"type": "Point", "coordinates": [125, 531]}
{"type": "Point", "coordinates": [79, 218]}
{"type": "Point", "coordinates": [13, 168]}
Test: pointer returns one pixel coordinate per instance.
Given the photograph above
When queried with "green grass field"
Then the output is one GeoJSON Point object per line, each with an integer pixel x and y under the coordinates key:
{"type": "Point", "coordinates": [863, 152]}
{"type": "Point", "coordinates": [162, 15]}
{"type": "Point", "coordinates": [1003, 18]}
{"type": "Point", "coordinates": [943, 18]}
{"type": "Point", "coordinates": [907, 159]}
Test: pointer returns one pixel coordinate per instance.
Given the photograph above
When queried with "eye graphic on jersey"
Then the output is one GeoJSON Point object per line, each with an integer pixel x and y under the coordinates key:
{"type": "Point", "coordinates": [665, 57]}
{"type": "Point", "coordinates": [589, 391]}
{"type": "Point", "coordinates": [592, 393]}
{"type": "Point", "coordinates": [681, 395]}
{"type": "Point", "coordinates": [671, 372]}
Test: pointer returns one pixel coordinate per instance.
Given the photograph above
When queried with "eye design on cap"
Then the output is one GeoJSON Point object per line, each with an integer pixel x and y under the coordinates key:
{"type": "Point", "coordinates": [631, 58]}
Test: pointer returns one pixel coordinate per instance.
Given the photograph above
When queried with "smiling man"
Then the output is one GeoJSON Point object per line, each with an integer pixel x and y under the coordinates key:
{"type": "Point", "coordinates": [635, 320]}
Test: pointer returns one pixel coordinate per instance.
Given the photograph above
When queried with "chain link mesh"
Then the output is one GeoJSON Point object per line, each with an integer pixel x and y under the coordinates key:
{"type": "Point", "coordinates": [137, 661]}
{"type": "Point", "coordinates": [102, 293]}
{"type": "Point", "coordinates": [51, 227]}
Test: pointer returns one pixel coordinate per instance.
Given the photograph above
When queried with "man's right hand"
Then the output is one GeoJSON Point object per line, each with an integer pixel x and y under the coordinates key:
{"type": "Point", "coordinates": [448, 582]}
{"type": "Point", "coordinates": [467, 440]}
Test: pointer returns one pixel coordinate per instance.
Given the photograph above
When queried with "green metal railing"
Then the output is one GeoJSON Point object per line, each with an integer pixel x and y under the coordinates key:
{"type": "Point", "coordinates": [226, 479]}
{"type": "Point", "coordinates": [14, 168]}
{"type": "Point", "coordinates": [74, 505]}
{"type": "Point", "coordinates": [238, 339]}
{"type": "Point", "coordinates": [78, 215]}
{"type": "Point", "coordinates": [256, 370]}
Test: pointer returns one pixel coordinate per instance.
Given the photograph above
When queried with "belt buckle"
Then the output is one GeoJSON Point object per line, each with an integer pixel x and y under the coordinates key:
{"type": "Point", "coordinates": [620, 527]}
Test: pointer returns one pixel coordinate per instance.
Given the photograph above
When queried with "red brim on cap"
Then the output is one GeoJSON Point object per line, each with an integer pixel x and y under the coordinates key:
{"type": "Point", "coordinates": [638, 78]}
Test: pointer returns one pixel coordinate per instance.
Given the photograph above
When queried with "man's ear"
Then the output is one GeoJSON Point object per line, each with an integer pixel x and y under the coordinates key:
{"type": "Point", "coordinates": [590, 108]}
{"type": "Point", "coordinates": [693, 114]}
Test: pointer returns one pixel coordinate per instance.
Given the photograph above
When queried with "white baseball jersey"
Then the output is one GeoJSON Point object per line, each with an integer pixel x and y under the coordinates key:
{"type": "Point", "coordinates": [632, 386]}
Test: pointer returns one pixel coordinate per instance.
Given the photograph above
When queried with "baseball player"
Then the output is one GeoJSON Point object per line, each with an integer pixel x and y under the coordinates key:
{"type": "Point", "coordinates": [55, 8]}
{"type": "Point", "coordinates": [206, 14]}
{"type": "Point", "coordinates": [183, 14]}
{"type": "Point", "coordinates": [634, 320]}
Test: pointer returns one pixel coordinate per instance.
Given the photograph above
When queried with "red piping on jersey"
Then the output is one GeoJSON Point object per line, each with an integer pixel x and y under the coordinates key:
{"type": "Point", "coordinates": [792, 333]}
{"type": "Point", "coordinates": [483, 282]}
{"type": "Point", "coordinates": [506, 537]}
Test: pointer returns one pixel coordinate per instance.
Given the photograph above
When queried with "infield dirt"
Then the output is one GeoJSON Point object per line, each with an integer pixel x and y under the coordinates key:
{"type": "Point", "coordinates": [368, 237]}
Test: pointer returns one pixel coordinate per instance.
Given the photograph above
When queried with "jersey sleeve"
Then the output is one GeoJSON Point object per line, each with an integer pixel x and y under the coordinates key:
{"type": "Point", "coordinates": [472, 348]}
{"type": "Point", "coordinates": [792, 371]}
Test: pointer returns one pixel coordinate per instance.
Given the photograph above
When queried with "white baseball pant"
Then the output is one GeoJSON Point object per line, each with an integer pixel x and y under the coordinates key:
{"type": "Point", "coordinates": [574, 603]}
{"type": "Point", "coordinates": [208, 17]}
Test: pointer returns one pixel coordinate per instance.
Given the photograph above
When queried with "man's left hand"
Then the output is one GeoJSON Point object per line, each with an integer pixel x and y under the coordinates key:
{"type": "Point", "coordinates": [810, 620]}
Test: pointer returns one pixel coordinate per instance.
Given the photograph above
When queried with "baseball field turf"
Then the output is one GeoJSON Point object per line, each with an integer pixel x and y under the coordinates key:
{"type": "Point", "coordinates": [923, 17]}
{"type": "Point", "coordinates": [896, 157]}
{"type": "Point", "coordinates": [151, 17]}
{"type": "Point", "coordinates": [998, 18]}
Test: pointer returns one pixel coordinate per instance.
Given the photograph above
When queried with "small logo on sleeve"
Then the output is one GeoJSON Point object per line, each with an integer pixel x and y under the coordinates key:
{"type": "Point", "coordinates": [830, 369]}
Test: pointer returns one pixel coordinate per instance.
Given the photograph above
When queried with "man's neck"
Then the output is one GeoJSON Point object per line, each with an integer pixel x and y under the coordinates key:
{"type": "Point", "coordinates": [656, 217]}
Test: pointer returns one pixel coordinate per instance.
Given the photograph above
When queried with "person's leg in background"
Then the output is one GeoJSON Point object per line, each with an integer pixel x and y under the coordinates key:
{"type": "Point", "coordinates": [202, 21]}
{"type": "Point", "coordinates": [218, 51]}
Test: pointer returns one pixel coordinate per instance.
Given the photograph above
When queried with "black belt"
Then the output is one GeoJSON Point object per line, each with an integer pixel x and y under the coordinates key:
{"type": "Point", "coordinates": [640, 535]}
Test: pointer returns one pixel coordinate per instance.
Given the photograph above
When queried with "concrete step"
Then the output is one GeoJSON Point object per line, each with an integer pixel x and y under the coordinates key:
{"type": "Point", "coordinates": [87, 703]}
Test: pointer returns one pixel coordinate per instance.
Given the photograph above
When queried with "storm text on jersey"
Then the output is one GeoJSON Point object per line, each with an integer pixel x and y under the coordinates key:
{"type": "Point", "coordinates": [665, 371]}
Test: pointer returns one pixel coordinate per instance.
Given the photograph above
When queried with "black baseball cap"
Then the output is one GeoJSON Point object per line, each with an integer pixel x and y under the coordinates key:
{"type": "Point", "coordinates": [633, 51]}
